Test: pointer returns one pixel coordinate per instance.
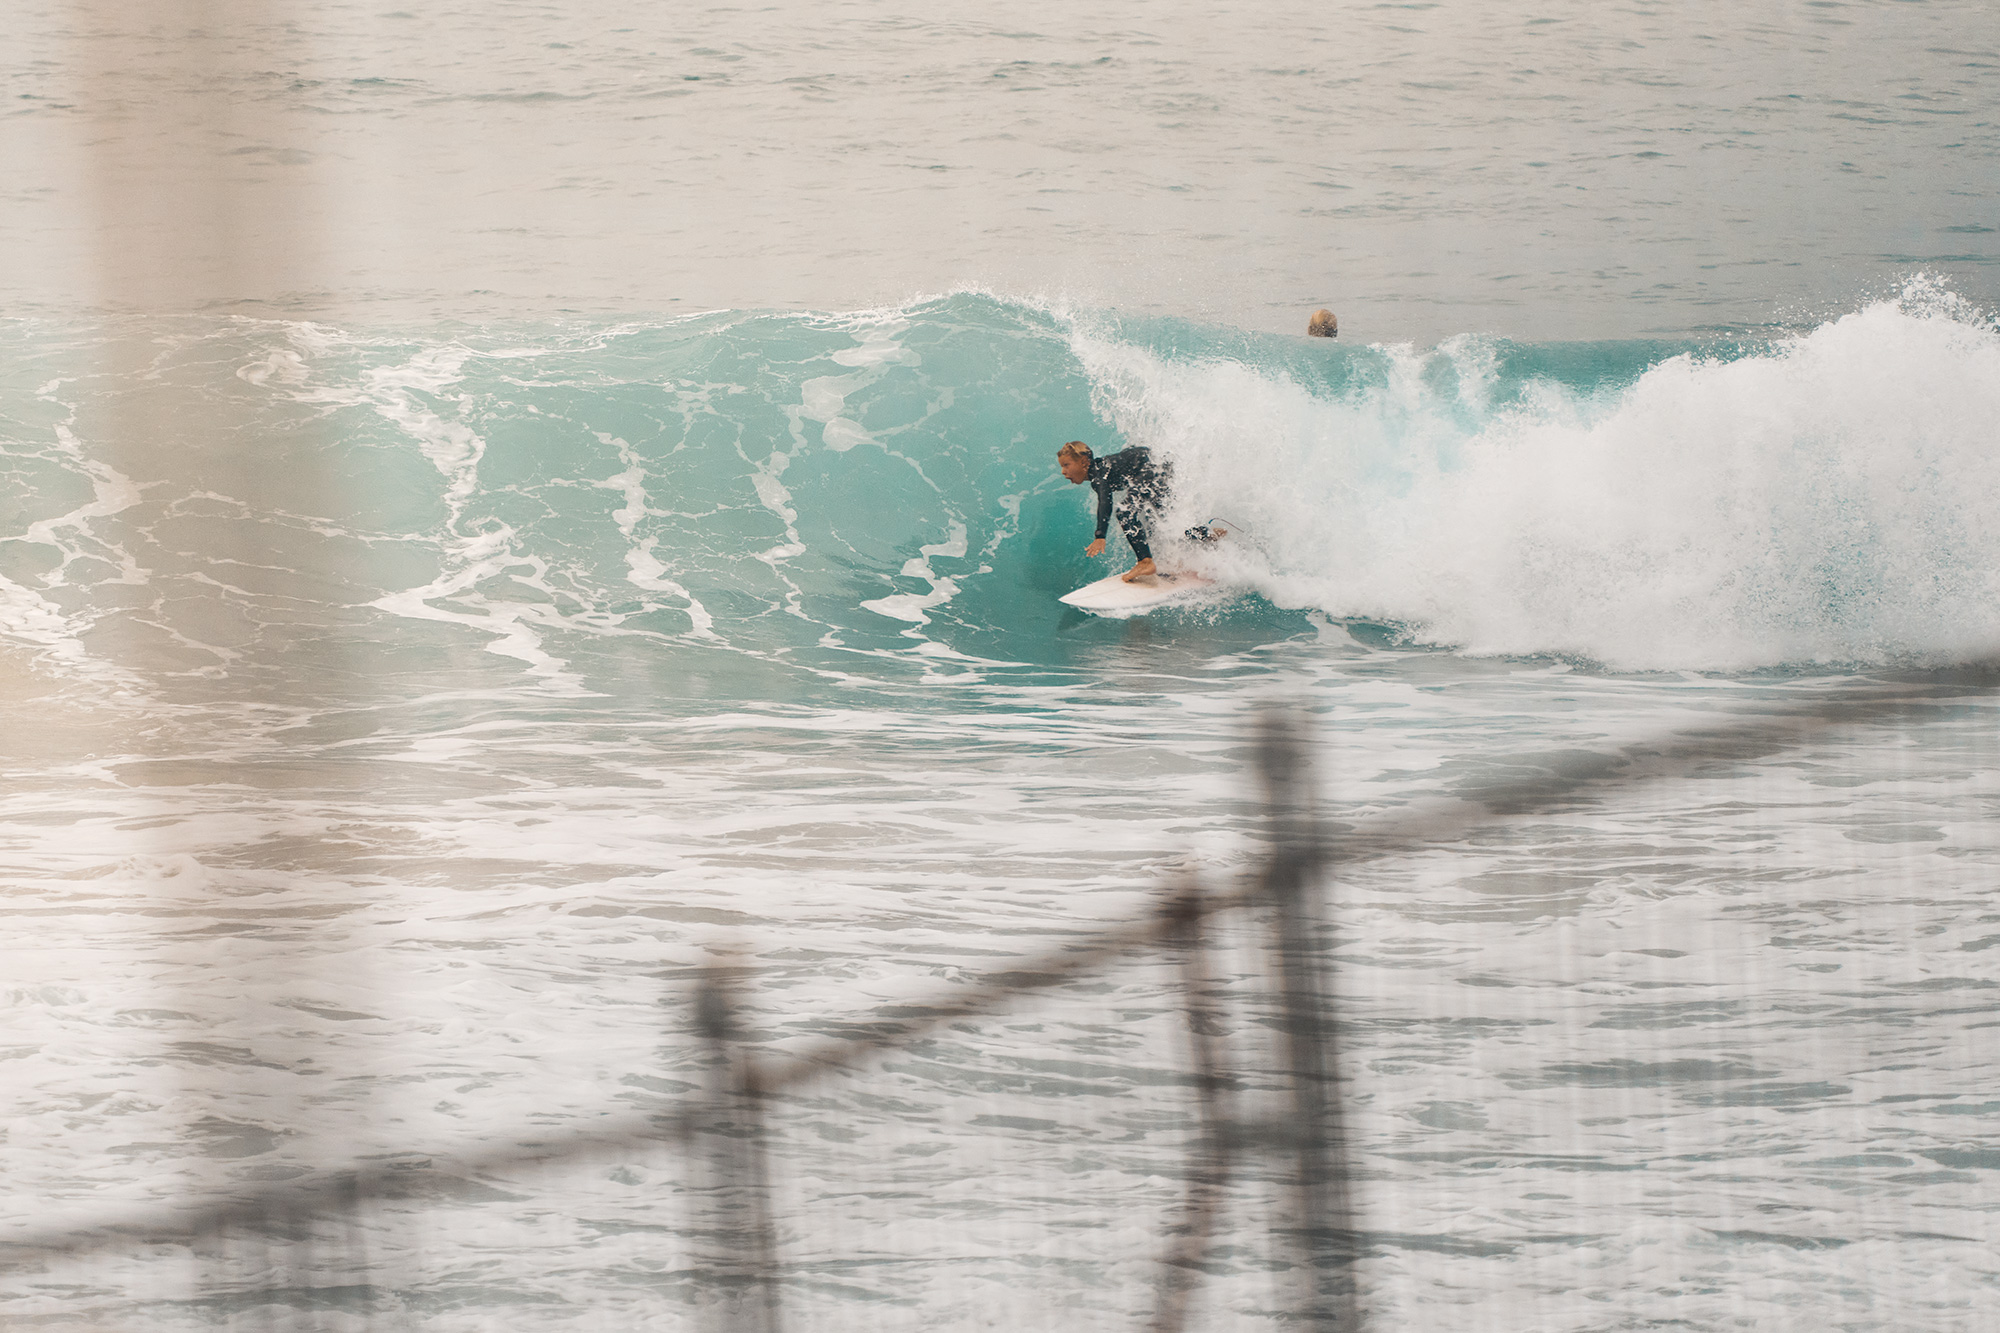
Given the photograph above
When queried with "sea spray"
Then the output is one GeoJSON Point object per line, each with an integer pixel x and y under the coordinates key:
{"type": "Point", "coordinates": [1826, 498]}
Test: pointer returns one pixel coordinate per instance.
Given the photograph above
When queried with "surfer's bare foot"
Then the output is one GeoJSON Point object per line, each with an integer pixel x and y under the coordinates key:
{"type": "Point", "coordinates": [1141, 570]}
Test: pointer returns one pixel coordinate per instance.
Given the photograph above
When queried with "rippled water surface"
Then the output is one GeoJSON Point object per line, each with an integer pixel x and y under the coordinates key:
{"type": "Point", "coordinates": [503, 514]}
{"type": "Point", "coordinates": [1563, 170]}
{"type": "Point", "coordinates": [398, 724]}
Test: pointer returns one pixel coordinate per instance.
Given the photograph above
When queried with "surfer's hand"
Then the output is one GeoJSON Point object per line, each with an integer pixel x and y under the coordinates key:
{"type": "Point", "coordinates": [1095, 548]}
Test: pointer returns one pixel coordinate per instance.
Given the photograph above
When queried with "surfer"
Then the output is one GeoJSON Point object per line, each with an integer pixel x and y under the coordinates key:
{"type": "Point", "coordinates": [1133, 471]}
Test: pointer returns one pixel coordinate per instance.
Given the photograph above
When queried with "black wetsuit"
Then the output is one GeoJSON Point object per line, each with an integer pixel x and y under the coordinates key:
{"type": "Point", "coordinates": [1133, 471]}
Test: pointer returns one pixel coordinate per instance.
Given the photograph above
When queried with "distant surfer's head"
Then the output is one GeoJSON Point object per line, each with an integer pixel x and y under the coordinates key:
{"type": "Point", "coordinates": [1074, 460]}
{"type": "Point", "coordinates": [1323, 325]}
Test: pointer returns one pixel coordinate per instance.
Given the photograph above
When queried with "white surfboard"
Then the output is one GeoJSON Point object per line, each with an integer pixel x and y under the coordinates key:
{"type": "Point", "coordinates": [1115, 597]}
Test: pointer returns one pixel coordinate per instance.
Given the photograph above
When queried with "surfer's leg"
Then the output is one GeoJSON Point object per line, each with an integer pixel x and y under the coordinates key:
{"type": "Point", "coordinates": [1132, 518]}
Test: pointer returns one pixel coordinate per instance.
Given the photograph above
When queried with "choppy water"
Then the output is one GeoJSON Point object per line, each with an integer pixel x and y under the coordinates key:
{"type": "Point", "coordinates": [508, 534]}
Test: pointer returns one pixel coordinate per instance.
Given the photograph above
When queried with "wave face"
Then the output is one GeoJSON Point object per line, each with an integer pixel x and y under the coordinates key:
{"type": "Point", "coordinates": [739, 503]}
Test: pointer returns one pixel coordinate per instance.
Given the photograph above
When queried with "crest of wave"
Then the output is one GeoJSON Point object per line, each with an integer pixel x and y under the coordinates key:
{"type": "Point", "coordinates": [1832, 498]}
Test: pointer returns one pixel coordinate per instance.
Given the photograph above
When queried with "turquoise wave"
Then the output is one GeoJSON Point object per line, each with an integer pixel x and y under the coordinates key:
{"type": "Point", "coordinates": [770, 502]}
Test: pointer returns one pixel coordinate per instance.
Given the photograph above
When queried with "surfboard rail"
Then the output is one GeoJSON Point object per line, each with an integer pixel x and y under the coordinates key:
{"type": "Point", "coordinates": [1114, 596]}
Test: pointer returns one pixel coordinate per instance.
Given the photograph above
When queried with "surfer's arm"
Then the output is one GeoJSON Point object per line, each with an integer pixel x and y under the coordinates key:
{"type": "Point", "coordinates": [1103, 511]}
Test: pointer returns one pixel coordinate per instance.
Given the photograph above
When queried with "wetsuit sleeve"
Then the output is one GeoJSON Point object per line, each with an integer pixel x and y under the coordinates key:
{"type": "Point", "coordinates": [1103, 508]}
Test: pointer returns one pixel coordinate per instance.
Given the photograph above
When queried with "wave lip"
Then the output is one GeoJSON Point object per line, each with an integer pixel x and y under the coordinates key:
{"type": "Point", "coordinates": [1829, 498]}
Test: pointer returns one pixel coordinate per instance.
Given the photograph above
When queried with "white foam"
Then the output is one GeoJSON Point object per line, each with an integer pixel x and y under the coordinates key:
{"type": "Point", "coordinates": [824, 398]}
{"type": "Point", "coordinates": [913, 606]}
{"type": "Point", "coordinates": [469, 559]}
{"type": "Point", "coordinates": [642, 559]}
{"type": "Point", "coordinates": [112, 492]}
{"type": "Point", "coordinates": [28, 617]}
{"type": "Point", "coordinates": [283, 365]}
{"type": "Point", "coordinates": [1830, 499]}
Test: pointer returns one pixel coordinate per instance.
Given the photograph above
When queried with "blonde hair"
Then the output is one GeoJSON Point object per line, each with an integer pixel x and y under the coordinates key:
{"type": "Point", "coordinates": [1075, 449]}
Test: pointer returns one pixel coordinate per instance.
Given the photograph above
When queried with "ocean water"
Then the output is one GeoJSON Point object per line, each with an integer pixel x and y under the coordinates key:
{"type": "Point", "coordinates": [1561, 171]}
{"type": "Point", "coordinates": [398, 719]}
{"type": "Point", "coordinates": [503, 509]}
